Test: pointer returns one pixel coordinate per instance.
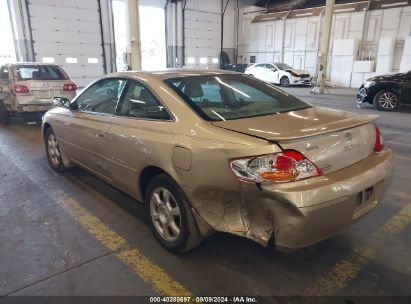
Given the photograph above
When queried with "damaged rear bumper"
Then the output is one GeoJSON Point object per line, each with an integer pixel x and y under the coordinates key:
{"type": "Point", "coordinates": [296, 214]}
{"type": "Point", "coordinates": [34, 107]}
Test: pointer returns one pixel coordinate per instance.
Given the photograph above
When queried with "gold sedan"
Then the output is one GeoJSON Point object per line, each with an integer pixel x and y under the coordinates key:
{"type": "Point", "coordinates": [213, 151]}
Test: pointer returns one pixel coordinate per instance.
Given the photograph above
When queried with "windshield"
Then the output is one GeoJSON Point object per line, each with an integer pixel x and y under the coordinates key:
{"type": "Point", "coordinates": [39, 72]}
{"type": "Point", "coordinates": [226, 97]}
{"type": "Point", "coordinates": [283, 66]}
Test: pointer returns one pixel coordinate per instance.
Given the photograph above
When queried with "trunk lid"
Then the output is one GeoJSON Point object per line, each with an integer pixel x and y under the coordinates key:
{"type": "Point", "coordinates": [331, 139]}
{"type": "Point", "coordinates": [46, 89]}
{"type": "Point", "coordinates": [41, 91]}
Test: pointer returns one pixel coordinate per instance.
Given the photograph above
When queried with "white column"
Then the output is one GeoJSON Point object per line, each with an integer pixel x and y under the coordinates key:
{"type": "Point", "coordinates": [325, 42]}
{"type": "Point", "coordinates": [134, 34]}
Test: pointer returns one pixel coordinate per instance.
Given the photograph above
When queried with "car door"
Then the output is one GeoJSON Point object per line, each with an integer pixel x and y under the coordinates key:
{"type": "Point", "coordinates": [271, 73]}
{"type": "Point", "coordinates": [140, 128]}
{"type": "Point", "coordinates": [275, 74]}
{"type": "Point", "coordinates": [259, 71]}
{"type": "Point", "coordinates": [406, 96]}
{"type": "Point", "coordinates": [84, 131]}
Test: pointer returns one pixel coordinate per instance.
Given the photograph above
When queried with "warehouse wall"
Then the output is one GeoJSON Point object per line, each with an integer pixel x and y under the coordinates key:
{"type": "Point", "coordinates": [355, 37]}
{"type": "Point", "coordinates": [194, 32]}
{"type": "Point", "coordinates": [76, 35]}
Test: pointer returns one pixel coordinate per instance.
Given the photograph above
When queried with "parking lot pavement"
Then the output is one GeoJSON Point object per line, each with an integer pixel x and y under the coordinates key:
{"type": "Point", "coordinates": [72, 234]}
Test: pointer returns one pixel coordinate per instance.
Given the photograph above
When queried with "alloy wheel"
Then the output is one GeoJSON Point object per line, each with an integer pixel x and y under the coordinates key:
{"type": "Point", "coordinates": [388, 100]}
{"type": "Point", "coordinates": [53, 150]}
{"type": "Point", "coordinates": [285, 82]}
{"type": "Point", "coordinates": [165, 214]}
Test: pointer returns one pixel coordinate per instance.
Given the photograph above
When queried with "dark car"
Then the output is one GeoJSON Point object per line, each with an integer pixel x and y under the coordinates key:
{"type": "Point", "coordinates": [386, 92]}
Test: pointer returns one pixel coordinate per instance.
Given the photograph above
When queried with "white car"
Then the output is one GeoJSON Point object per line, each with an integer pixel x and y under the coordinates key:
{"type": "Point", "coordinates": [279, 73]}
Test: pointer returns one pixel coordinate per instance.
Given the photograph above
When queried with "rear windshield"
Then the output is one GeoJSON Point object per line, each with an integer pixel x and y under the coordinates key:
{"type": "Point", "coordinates": [226, 97]}
{"type": "Point", "coordinates": [39, 72]}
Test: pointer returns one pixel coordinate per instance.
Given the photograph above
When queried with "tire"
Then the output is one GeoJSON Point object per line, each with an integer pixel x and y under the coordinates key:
{"type": "Point", "coordinates": [284, 81]}
{"type": "Point", "coordinates": [169, 214]}
{"type": "Point", "coordinates": [386, 100]}
{"type": "Point", "coordinates": [53, 151]}
{"type": "Point", "coordinates": [4, 114]}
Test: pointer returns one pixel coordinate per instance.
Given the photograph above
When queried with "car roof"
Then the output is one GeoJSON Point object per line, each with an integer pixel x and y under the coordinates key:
{"type": "Point", "coordinates": [29, 64]}
{"type": "Point", "coordinates": [269, 63]}
{"type": "Point", "coordinates": [173, 73]}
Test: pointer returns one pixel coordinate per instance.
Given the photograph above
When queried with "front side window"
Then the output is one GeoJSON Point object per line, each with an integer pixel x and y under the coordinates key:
{"type": "Point", "coordinates": [101, 97]}
{"type": "Point", "coordinates": [226, 97]}
{"type": "Point", "coordinates": [139, 102]}
{"type": "Point", "coordinates": [39, 72]}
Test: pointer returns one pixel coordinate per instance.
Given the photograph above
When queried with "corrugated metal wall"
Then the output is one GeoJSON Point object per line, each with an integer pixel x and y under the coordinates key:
{"type": "Point", "coordinates": [68, 33]}
{"type": "Point", "coordinates": [296, 41]}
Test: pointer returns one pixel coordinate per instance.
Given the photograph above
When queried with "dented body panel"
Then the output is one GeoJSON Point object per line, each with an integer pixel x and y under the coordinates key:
{"type": "Point", "coordinates": [196, 154]}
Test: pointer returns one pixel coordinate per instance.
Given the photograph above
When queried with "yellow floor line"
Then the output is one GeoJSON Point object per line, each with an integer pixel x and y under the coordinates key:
{"type": "Point", "coordinates": [345, 270]}
{"type": "Point", "coordinates": [151, 273]}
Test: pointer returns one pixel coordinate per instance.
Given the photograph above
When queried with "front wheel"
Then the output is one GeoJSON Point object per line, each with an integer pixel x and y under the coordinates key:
{"type": "Point", "coordinates": [386, 100]}
{"type": "Point", "coordinates": [284, 81]}
{"type": "Point", "coordinates": [53, 151]}
{"type": "Point", "coordinates": [170, 216]}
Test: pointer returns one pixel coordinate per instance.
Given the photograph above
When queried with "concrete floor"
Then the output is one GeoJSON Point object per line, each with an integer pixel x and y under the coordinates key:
{"type": "Point", "coordinates": [47, 250]}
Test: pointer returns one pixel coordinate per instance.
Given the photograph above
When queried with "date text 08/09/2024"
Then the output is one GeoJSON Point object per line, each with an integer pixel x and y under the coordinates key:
{"type": "Point", "coordinates": [198, 299]}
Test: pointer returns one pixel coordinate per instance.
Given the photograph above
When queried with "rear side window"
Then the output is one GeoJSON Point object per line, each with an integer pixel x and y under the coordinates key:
{"type": "Point", "coordinates": [138, 102]}
{"type": "Point", "coordinates": [40, 72]}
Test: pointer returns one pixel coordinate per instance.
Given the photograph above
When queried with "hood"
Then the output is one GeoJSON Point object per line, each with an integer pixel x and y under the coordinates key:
{"type": "Point", "coordinates": [298, 72]}
{"type": "Point", "coordinates": [296, 124]}
{"type": "Point", "coordinates": [387, 77]}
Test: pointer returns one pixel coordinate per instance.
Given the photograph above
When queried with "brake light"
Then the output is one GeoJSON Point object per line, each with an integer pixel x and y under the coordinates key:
{"type": "Point", "coordinates": [20, 89]}
{"type": "Point", "coordinates": [379, 140]}
{"type": "Point", "coordinates": [70, 87]}
{"type": "Point", "coordinates": [287, 166]}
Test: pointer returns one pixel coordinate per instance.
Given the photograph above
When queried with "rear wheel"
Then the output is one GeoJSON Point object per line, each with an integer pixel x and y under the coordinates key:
{"type": "Point", "coordinates": [284, 81]}
{"type": "Point", "coordinates": [4, 114]}
{"type": "Point", "coordinates": [170, 216]}
{"type": "Point", "coordinates": [386, 100]}
{"type": "Point", "coordinates": [54, 155]}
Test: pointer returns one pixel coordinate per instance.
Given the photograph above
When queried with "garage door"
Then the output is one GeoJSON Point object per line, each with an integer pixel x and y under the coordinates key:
{"type": "Point", "coordinates": [202, 38]}
{"type": "Point", "coordinates": [68, 33]}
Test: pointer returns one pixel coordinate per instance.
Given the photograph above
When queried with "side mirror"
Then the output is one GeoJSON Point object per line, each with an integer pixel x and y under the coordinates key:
{"type": "Point", "coordinates": [61, 102]}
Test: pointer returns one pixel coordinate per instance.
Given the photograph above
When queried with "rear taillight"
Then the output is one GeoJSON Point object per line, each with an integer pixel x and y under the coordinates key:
{"type": "Point", "coordinates": [70, 87]}
{"type": "Point", "coordinates": [20, 89]}
{"type": "Point", "coordinates": [379, 140]}
{"type": "Point", "coordinates": [287, 166]}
